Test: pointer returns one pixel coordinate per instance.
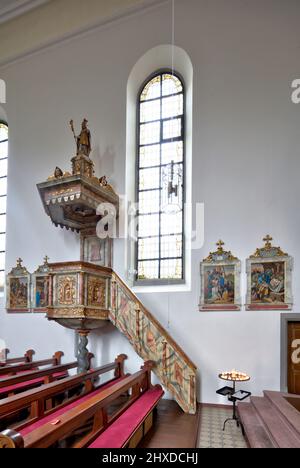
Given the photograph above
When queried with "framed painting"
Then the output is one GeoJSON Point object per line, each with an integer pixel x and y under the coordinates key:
{"type": "Point", "coordinates": [40, 287]}
{"type": "Point", "coordinates": [220, 281]}
{"type": "Point", "coordinates": [269, 279]}
{"type": "Point", "coordinates": [18, 284]}
{"type": "Point", "coordinates": [95, 250]}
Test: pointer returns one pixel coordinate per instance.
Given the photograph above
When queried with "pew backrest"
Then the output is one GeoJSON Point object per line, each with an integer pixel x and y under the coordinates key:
{"type": "Point", "coordinates": [15, 369]}
{"type": "Point", "coordinates": [36, 399]}
{"type": "Point", "coordinates": [4, 361]}
{"type": "Point", "coordinates": [46, 373]}
{"type": "Point", "coordinates": [95, 408]}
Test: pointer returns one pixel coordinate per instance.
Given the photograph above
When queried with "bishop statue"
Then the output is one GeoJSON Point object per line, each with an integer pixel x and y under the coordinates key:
{"type": "Point", "coordinates": [83, 141]}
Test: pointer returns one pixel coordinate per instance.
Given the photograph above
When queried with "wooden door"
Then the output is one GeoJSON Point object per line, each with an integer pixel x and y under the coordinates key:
{"type": "Point", "coordinates": [294, 358]}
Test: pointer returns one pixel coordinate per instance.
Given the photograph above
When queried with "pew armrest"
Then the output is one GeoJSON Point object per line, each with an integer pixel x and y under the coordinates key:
{"type": "Point", "coordinates": [10, 439]}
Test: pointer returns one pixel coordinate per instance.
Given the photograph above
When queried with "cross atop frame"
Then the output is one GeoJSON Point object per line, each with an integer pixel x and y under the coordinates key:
{"type": "Point", "coordinates": [220, 245]}
{"type": "Point", "coordinates": [268, 241]}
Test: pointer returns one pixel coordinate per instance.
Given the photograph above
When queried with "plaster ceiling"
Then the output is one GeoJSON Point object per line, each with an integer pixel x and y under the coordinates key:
{"type": "Point", "coordinates": [10, 9]}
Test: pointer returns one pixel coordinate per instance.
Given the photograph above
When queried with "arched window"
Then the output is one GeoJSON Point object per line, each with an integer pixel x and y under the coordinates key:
{"type": "Point", "coordinates": [3, 190]}
{"type": "Point", "coordinates": [160, 180]}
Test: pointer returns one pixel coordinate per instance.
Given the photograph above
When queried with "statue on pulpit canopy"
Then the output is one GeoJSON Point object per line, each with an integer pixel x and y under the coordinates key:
{"type": "Point", "coordinates": [83, 141]}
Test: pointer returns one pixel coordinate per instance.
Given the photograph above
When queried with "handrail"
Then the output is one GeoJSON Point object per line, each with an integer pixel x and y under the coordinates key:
{"type": "Point", "coordinates": [156, 322]}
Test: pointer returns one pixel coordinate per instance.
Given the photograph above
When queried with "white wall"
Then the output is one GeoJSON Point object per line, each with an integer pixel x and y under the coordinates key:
{"type": "Point", "coordinates": [245, 164]}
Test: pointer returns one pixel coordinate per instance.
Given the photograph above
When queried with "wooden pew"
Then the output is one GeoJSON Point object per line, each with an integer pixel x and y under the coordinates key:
{"type": "Point", "coordinates": [10, 370]}
{"type": "Point", "coordinates": [25, 381]}
{"type": "Point", "coordinates": [28, 356]}
{"type": "Point", "coordinates": [124, 428]}
{"type": "Point", "coordinates": [40, 401]}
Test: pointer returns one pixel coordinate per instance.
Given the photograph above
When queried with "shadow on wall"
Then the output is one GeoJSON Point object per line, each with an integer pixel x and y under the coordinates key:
{"type": "Point", "coordinates": [104, 162]}
{"type": "Point", "coordinates": [100, 344]}
{"type": "Point", "coordinates": [3, 116]}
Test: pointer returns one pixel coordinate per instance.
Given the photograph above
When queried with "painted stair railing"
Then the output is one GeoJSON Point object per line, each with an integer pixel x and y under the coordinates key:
{"type": "Point", "coordinates": [151, 341]}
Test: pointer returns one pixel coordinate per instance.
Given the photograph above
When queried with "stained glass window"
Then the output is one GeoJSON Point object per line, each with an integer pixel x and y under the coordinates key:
{"type": "Point", "coordinates": [160, 180]}
{"type": "Point", "coordinates": [3, 190]}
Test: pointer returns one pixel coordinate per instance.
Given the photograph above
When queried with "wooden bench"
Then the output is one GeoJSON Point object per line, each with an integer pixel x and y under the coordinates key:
{"type": "Point", "coordinates": [9, 370]}
{"type": "Point", "coordinates": [27, 380]}
{"type": "Point", "coordinates": [125, 427]}
{"type": "Point", "coordinates": [41, 403]}
{"type": "Point", "coordinates": [6, 362]}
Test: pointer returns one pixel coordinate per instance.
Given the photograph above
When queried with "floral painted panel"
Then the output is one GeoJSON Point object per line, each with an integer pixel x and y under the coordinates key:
{"type": "Point", "coordinates": [152, 342]}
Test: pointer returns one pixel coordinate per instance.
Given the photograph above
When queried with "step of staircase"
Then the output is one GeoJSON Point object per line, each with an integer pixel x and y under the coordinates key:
{"type": "Point", "coordinates": [277, 428]}
{"type": "Point", "coordinates": [256, 434]}
{"type": "Point", "coordinates": [288, 412]}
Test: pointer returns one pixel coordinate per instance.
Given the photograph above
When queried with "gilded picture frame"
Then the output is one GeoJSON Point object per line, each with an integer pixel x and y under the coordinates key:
{"type": "Point", "coordinates": [40, 288]}
{"type": "Point", "coordinates": [18, 289]}
{"type": "Point", "coordinates": [269, 279]}
{"type": "Point", "coordinates": [220, 281]}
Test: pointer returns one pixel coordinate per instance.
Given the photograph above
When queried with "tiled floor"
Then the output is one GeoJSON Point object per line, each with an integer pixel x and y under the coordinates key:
{"type": "Point", "coordinates": [211, 430]}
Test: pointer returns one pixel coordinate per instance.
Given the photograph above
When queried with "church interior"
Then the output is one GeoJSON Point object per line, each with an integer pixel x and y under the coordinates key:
{"type": "Point", "coordinates": [149, 250]}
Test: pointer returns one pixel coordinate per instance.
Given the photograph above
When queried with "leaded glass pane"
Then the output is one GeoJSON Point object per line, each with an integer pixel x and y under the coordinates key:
{"type": "Point", "coordinates": [3, 149]}
{"type": "Point", "coordinates": [171, 269]}
{"type": "Point", "coordinates": [149, 133]}
{"type": "Point", "coordinates": [149, 179]}
{"type": "Point", "coordinates": [2, 205]}
{"type": "Point", "coordinates": [171, 85]}
{"type": "Point", "coordinates": [3, 132]}
{"type": "Point", "coordinates": [171, 246]}
{"type": "Point", "coordinates": [150, 111]}
{"type": "Point", "coordinates": [172, 129]}
{"type": "Point", "coordinates": [2, 224]}
{"type": "Point", "coordinates": [152, 90]}
{"type": "Point", "coordinates": [149, 202]}
{"type": "Point", "coordinates": [171, 223]}
{"type": "Point", "coordinates": [148, 225]}
{"type": "Point", "coordinates": [148, 270]}
{"type": "Point", "coordinates": [172, 106]}
{"type": "Point", "coordinates": [150, 156]}
{"type": "Point", "coordinates": [160, 179]}
{"type": "Point", "coordinates": [3, 186]}
{"type": "Point", "coordinates": [149, 248]}
{"type": "Point", "coordinates": [2, 261]}
{"type": "Point", "coordinates": [2, 279]}
{"type": "Point", "coordinates": [2, 242]}
{"type": "Point", "coordinates": [172, 152]}
{"type": "Point", "coordinates": [3, 167]}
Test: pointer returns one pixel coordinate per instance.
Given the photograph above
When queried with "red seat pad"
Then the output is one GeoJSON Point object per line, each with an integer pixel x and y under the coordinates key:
{"type": "Point", "coordinates": [59, 375]}
{"type": "Point", "coordinates": [60, 412]}
{"type": "Point", "coordinates": [12, 388]}
{"type": "Point", "coordinates": [40, 380]}
{"type": "Point", "coordinates": [120, 431]}
{"type": "Point", "coordinates": [7, 376]}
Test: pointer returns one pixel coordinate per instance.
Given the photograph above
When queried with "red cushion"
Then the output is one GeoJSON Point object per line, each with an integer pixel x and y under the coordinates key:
{"type": "Point", "coordinates": [40, 380]}
{"type": "Point", "coordinates": [8, 376]}
{"type": "Point", "coordinates": [120, 431]}
{"type": "Point", "coordinates": [12, 388]}
{"type": "Point", "coordinates": [56, 414]}
{"type": "Point", "coordinates": [59, 375]}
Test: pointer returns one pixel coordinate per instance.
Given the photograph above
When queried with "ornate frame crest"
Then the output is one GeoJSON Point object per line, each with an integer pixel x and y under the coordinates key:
{"type": "Point", "coordinates": [18, 289]}
{"type": "Point", "coordinates": [220, 281]}
{"type": "Point", "coordinates": [269, 278]}
{"type": "Point", "coordinates": [40, 287]}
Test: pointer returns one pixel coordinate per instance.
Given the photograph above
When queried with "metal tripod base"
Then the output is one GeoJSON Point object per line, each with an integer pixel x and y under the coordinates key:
{"type": "Point", "coordinates": [238, 423]}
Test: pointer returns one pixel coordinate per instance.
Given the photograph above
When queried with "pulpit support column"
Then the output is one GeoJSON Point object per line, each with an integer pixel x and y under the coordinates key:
{"type": "Point", "coordinates": [83, 353]}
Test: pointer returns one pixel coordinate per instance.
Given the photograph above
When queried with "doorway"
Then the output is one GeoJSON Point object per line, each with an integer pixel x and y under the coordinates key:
{"type": "Point", "coordinates": [290, 353]}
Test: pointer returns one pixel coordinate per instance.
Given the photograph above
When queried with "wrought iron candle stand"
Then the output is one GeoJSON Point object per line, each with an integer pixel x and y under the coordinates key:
{"type": "Point", "coordinates": [233, 395]}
